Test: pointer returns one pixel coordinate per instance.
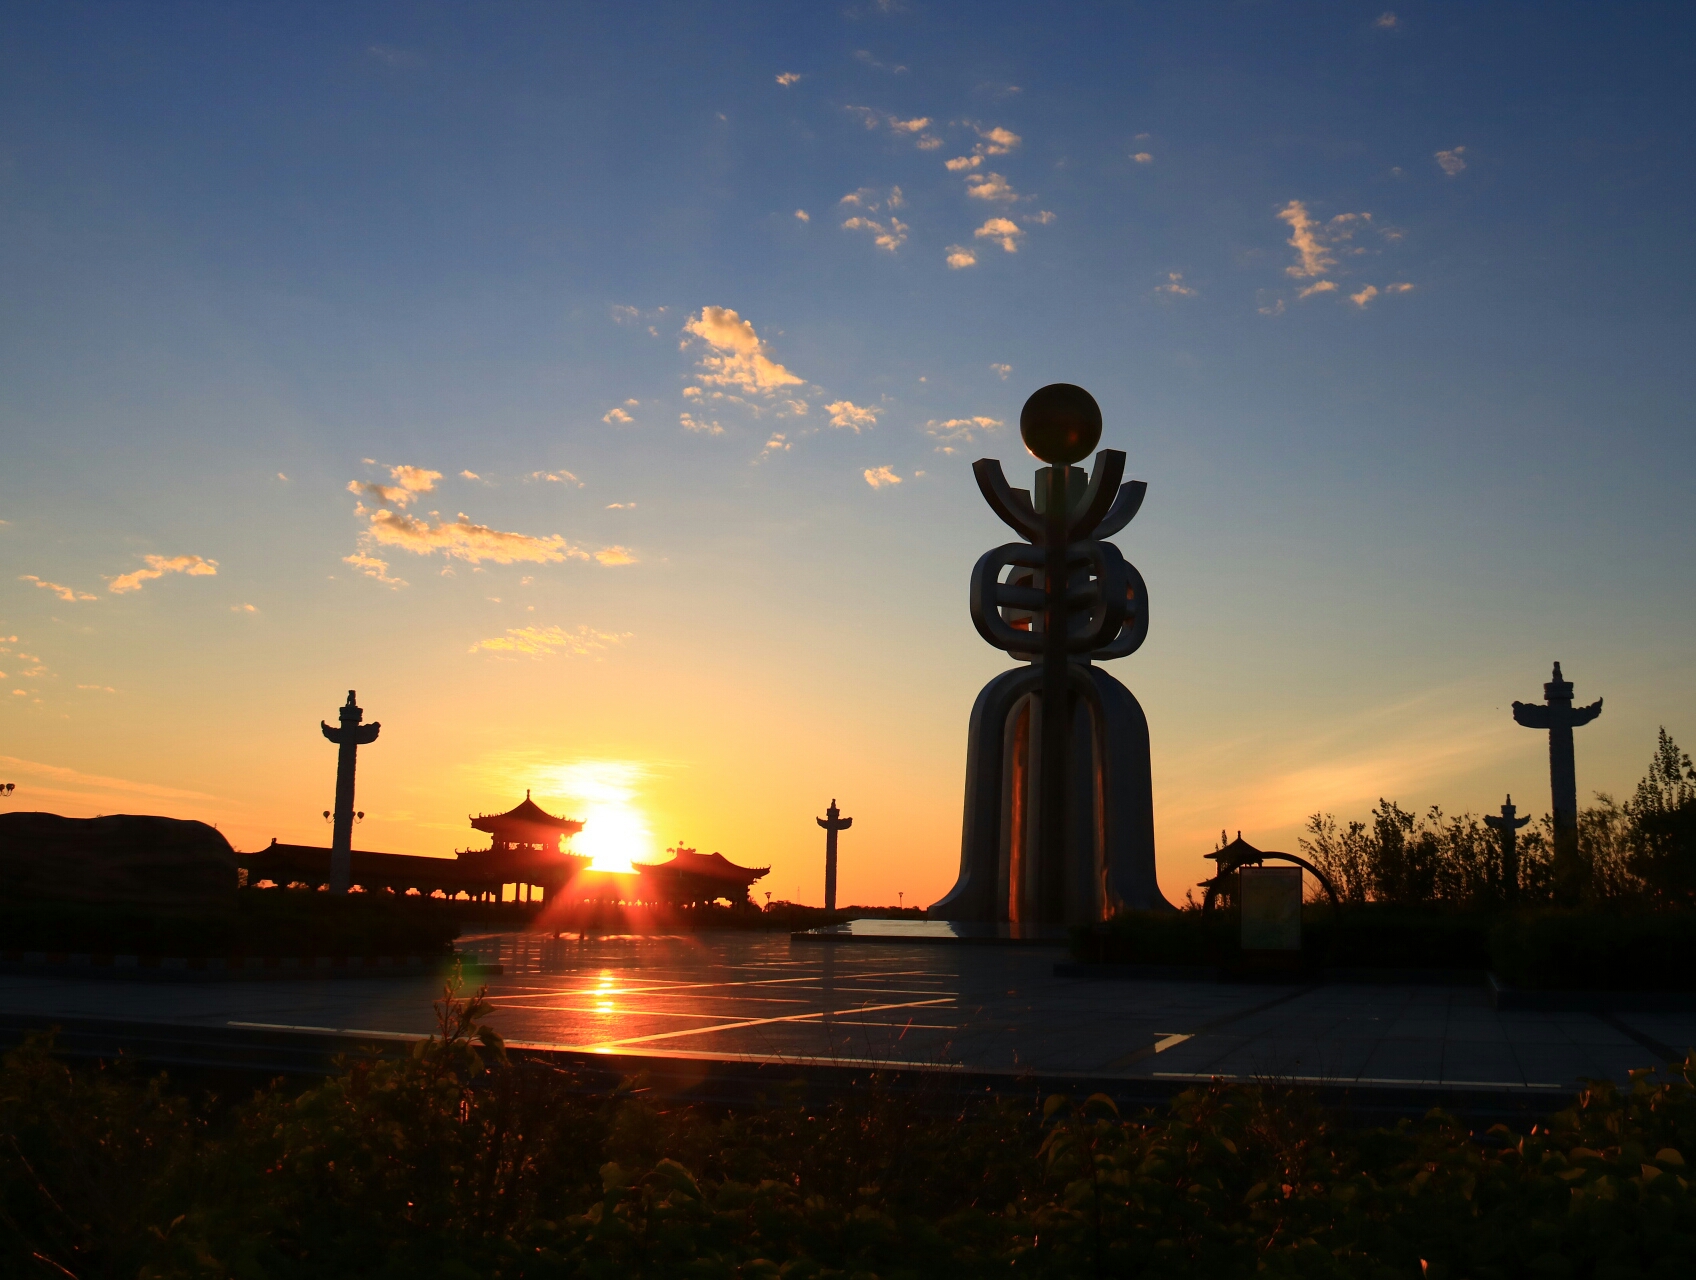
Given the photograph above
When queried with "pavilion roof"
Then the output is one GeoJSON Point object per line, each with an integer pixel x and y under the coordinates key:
{"type": "Point", "coordinates": [712, 866]}
{"type": "Point", "coordinates": [525, 814]}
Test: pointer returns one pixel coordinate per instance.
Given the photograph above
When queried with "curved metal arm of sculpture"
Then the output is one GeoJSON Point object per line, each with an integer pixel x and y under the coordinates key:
{"type": "Point", "coordinates": [842, 824]}
{"type": "Point", "coordinates": [1014, 506]}
{"type": "Point", "coordinates": [1505, 824]}
{"type": "Point", "coordinates": [1584, 715]}
{"type": "Point", "coordinates": [1098, 497]}
{"type": "Point", "coordinates": [362, 733]}
{"type": "Point", "coordinates": [1134, 630]}
{"type": "Point", "coordinates": [1124, 508]}
{"type": "Point", "coordinates": [1104, 597]}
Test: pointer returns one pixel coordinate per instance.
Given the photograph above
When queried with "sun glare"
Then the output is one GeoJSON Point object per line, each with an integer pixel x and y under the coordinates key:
{"type": "Point", "coordinates": [602, 795]}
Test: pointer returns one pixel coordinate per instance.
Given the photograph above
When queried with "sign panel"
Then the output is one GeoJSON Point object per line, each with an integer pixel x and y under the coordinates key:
{"type": "Point", "coordinates": [1271, 908]}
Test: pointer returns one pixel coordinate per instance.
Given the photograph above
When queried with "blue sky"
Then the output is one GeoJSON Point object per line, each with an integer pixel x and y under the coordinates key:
{"type": "Point", "coordinates": [248, 248]}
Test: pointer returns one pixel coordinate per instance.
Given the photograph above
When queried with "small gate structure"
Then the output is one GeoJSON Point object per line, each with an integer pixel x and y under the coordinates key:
{"type": "Point", "coordinates": [1240, 853]}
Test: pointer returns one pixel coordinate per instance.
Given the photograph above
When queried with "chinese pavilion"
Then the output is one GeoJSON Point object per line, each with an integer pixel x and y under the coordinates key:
{"type": "Point", "coordinates": [524, 849]}
{"type": "Point", "coordinates": [696, 879]}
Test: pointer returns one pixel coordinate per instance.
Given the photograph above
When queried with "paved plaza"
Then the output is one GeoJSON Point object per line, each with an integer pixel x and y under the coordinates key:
{"type": "Point", "coordinates": [756, 997]}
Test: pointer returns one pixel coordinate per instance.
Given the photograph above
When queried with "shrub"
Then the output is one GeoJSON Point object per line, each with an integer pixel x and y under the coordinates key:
{"type": "Point", "coordinates": [457, 1160]}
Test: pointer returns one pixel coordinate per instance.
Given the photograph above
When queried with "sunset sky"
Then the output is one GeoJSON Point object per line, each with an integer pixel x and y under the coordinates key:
{"type": "Point", "coordinates": [595, 388]}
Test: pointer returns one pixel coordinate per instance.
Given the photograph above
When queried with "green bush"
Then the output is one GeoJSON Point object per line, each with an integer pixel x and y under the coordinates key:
{"type": "Point", "coordinates": [1595, 950]}
{"type": "Point", "coordinates": [265, 922]}
{"type": "Point", "coordinates": [454, 1161]}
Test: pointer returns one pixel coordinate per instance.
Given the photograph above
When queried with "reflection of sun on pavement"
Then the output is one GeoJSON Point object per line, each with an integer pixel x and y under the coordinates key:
{"type": "Point", "coordinates": [604, 994]}
{"type": "Point", "coordinates": [615, 830]}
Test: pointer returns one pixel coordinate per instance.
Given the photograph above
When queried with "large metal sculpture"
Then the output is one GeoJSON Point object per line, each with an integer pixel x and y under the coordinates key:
{"type": "Point", "coordinates": [350, 737]}
{"type": "Point", "coordinates": [1506, 826]}
{"type": "Point", "coordinates": [1560, 718]}
{"type": "Point", "coordinates": [1059, 818]}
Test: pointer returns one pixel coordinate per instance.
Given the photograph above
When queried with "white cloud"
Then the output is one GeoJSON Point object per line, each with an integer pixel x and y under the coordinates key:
{"type": "Point", "coordinates": [845, 413]}
{"type": "Point", "coordinates": [954, 433]}
{"type": "Point", "coordinates": [615, 506]}
{"type": "Point", "coordinates": [998, 141]}
{"type": "Point", "coordinates": [990, 186]}
{"type": "Point", "coordinates": [470, 475]}
{"type": "Point", "coordinates": [739, 358]}
{"type": "Point", "coordinates": [1400, 287]}
{"type": "Point", "coordinates": [280, 476]}
{"type": "Point", "coordinates": [959, 163]}
{"type": "Point", "coordinates": [557, 477]}
{"type": "Point", "coordinates": [803, 215]}
{"type": "Point", "coordinates": [1143, 157]}
{"type": "Point", "coordinates": [1040, 219]}
{"type": "Point", "coordinates": [1002, 370]}
{"type": "Point", "coordinates": [890, 237]}
{"type": "Point", "coordinates": [615, 555]}
{"type": "Point", "coordinates": [616, 417]}
{"type": "Point", "coordinates": [1175, 286]}
{"type": "Point", "coordinates": [625, 315]}
{"type": "Point", "coordinates": [779, 443]}
{"type": "Point", "coordinates": [787, 78]}
{"type": "Point", "coordinates": [689, 422]}
{"type": "Point", "coordinates": [70, 595]}
{"type": "Point", "coordinates": [1364, 296]}
{"type": "Point", "coordinates": [158, 567]}
{"type": "Point", "coordinates": [1003, 231]}
{"type": "Point", "coordinates": [1272, 308]}
{"type": "Point", "coordinates": [960, 256]}
{"type": "Point", "coordinates": [1451, 162]}
{"type": "Point", "coordinates": [916, 125]}
{"type": "Point", "coordinates": [1387, 21]}
{"type": "Point", "coordinates": [881, 477]}
{"type": "Point", "coordinates": [1318, 286]}
{"type": "Point", "coordinates": [546, 642]}
{"type": "Point", "coordinates": [244, 608]}
{"type": "Point", "coordinates": [916, 128]}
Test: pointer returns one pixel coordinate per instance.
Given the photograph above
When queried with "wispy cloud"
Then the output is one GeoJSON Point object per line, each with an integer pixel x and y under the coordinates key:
{"type": "Point", "coordinates": [547, 642]}
{"type": "Point", "coordinates": [917, 128]}
{"type": "Point", "coordinates": [865, 56]}
{"type": "Point", "coordinates": [1143, 157]}
{"type": "Point", "coordinates": [1001, 370]}
{"type": "Point", "coordinates": [469, 475]}
{"type": "Point", "coordinates": [244, 608]}
{"type": "Point", "coordinates": [845, 413]}
{"type": "Point", "coordinates": [616, 418]}
{"type": "Point", "coordinates": [960, 256]}
{"type": "Point", "coordinates": [787, 78]}
{"type": "Point", "coordinates": [1401, 286]}
{"type": "Point", "coordinates": [1364, 296]}
{"type": "Point", "coordinates": [614, 556]}
{"type": "Point", "coordinates": [890, 237]}
{"type": "Point", "coordinates": [463, 539]}
{"type": "Point", "coordinates": [557, 477]}
{"type": "Point", "coordinates": [409, 482]}
{"type": "Point", "coordinates": [990, 186]}
{"type": "Point", "coordinates": [961, 163]}
{"type": "Point", "coordinates": [1002, 231]}
{"type": "Point", "coordinates": [881, 477]}
{"type": "Point", "coordinates": [1175, 286]}
{"type": "Point", "coordinates": [70, 595]}
{"type": "Point", "coordinates": [373, 567]}
{"type": "Point", "coordinates": [1452, 162]}
{"type": "Point", "coordinates": [158, 567]}
{"type": "Point", "coordinates": [803, 215]}
{"type": "Point", "coordinates": [1387, 21]}
{"type": "Point", "coordinates": [738, 357]}
{"type": "Point", "coordinates": [689, 422]}
{"type": "Point", "coordinates": [955, 433]}
{"type": "Point", "coordinates": [998, 141]}
{"type": "Point", "coordinates": [1318, 244]}
{"type": "Point", "coordinates": [778, 443]}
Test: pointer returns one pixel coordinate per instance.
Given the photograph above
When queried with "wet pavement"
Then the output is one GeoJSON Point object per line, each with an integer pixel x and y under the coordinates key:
{"type": "Point", "coordinates": [759, 997]}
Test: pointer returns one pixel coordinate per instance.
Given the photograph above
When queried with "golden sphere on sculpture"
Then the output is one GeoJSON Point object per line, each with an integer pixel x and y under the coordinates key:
{"type": "Point", "coordinates": [1061, 423]}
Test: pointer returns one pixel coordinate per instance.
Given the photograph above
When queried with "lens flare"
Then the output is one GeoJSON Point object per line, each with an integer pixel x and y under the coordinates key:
{"type": "Point", "coordinates": [602, 795]}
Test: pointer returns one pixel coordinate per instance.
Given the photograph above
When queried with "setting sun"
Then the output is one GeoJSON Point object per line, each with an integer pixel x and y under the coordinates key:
{"type": "Point", "coordinates": [602, 795]}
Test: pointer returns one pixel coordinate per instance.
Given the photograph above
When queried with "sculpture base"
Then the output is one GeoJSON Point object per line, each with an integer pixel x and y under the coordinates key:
{"type": "Point", "coordinates": [955, 932]}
